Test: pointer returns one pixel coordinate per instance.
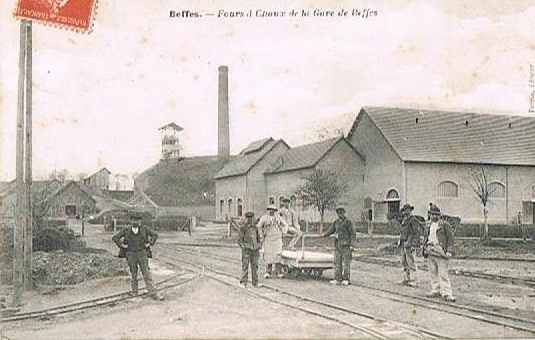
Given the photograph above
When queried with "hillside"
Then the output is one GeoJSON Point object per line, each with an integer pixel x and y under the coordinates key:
{"type": "Point", "coordinates": [181, 182]}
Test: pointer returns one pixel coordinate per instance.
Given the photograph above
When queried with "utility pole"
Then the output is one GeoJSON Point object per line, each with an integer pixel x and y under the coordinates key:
{"type": "Point", "coordinates": [28, 231]}
{"type": "Point", "coordinates": [20, 218]}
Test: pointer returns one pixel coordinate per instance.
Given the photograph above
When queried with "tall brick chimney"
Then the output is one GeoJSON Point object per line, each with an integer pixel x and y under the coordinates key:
{"type": "Point", "coordinates": [223, 145]}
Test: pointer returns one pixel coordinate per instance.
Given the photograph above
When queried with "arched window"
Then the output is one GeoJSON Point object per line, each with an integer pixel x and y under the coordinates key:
{"type": "Point", "coordinates": [496, 190]}
{"type": "Point", "coordinates": [271, 200]}
{"type": "Point", "coordinates": [280, 200]}
{"type": "Point", "coordinates": [447, 189]}
{"type": "Point", "coordinates": [221, 206]}
{"type": "Point", "coordinates": [392, 194]}
{"type": "Point", "coordinates": [230, 207]}
{"type": "Point", "coordinates": [240, 208]}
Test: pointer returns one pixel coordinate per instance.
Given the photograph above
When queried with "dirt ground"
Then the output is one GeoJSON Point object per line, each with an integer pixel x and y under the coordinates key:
{"type": "Point", "coordinates": [201, 309]}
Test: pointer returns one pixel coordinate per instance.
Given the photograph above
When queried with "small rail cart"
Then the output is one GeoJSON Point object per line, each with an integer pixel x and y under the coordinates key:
{"type": "Point", "coordinates": [305, 263]}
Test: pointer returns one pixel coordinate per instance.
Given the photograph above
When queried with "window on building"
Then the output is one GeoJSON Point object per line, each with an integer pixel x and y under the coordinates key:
{"type": "Point", "coordinates": [230, 207]}
{"type": "Point", "coordinates": [496, 190]}
{"type": "Point", "coordinates": [533, 191]}
{"type": "Point", "coordinates": [240, 208]}
{"type": "Point", "coordinates": [221, 206]}
{"type": "Point", "coordinates": [392, 194]}
{"type": "Point", "coordinates": [271, 200]}
{"type": "Point", "coordinates": [280, 200]}
{"type": "Point", "coordinates": [70, 210]}
{"type": "Point", "coordinates": [448, 189]}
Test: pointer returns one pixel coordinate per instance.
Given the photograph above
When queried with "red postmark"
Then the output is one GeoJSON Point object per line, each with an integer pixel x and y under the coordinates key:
{"type": "Point", "coordinates": [74, 14]}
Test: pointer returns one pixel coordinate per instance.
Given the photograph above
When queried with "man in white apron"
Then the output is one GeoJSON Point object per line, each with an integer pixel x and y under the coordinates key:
{"type": "Point", "coordinates": [272, 226]}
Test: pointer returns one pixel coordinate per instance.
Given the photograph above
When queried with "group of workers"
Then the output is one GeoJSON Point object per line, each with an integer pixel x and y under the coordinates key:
{"type": "Point", "coordinates": [266, 235]}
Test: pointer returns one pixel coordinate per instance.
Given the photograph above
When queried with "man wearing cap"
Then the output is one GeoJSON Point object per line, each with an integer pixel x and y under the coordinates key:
{"type": "Point", "coordinates": [136, 240]}
{"type": "Point", "coordinates": [409, 241]}
{"type": "Point", "coordinates": [290, 217]}
{"type": "Point", "coordinates": [344, 243]}
{"type": "Point", "coordinates": [438, 247]}
{"type": "Point", "coordinates": [272, 227]}
{"type": "Point", "coordinates": [249, 240]}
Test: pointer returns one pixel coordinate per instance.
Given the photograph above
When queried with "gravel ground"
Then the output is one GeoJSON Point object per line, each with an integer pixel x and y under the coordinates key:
{"type": "Point", "coordinates": [206, 309]}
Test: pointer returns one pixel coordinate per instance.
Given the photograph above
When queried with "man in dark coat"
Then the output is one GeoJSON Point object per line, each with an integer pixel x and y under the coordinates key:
{"type": "Point", "coordinates": [137, 239]}
{"type": "Point", "coordinates": [409, 241]}
{"type": "Point", "coordinates": [345, 242]}
{"type": "Point", "coordinates": [249, 240]}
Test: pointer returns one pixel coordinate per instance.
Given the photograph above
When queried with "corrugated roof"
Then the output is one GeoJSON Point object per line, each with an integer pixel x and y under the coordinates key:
{"type": "Point", "coordinates": [305, 156]}
{"type": "Point", "coordinates": [243, 162]}
{"type": "Point", "coordinates": [458, 137]}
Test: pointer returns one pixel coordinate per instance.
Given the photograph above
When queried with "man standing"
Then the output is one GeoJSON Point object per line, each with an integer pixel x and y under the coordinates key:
{"type": "Point", "coordinates": [409, 241]}
{"type": "Point", "coordinates": [344, 243]}
{"type": "Point", "coordinates": [249, 240]}
{"type": "Point", "coordinates": [438, 247]}
{"type": "Point", "coordinates": [272, 227]}
{"type": "Point", "coordinates": [290, 217]}
{"type": "Point", "coordinates": [136, 241]}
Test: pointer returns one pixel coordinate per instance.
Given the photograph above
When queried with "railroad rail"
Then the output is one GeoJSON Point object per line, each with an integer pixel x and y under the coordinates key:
{"type": "Point", "coordinates": [107, 300]}
{"type": "Point", "coordinates": [367, 325]}
{"type": "Point", "coordinates": [491, 317]}
{"type": "Point", "coordinates": [528, 282]}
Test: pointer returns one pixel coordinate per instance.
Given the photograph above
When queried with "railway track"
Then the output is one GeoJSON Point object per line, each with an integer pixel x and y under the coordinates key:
{"type": "Point", "coordinates": [527, 282]}
{"type": "Point", "coordinates": [108, 300]}
{"type": "Point", "coordinates": [482, 315]}
{"type": "Point", "coordinates": [366, 325]}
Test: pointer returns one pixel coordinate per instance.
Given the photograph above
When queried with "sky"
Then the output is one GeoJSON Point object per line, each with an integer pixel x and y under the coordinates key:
{"type": "Point", "coordinates": [100, 97]}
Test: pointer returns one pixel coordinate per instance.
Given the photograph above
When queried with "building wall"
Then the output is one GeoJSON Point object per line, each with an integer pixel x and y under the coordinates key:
{"type": "Point", "coordinates": [341, 158]}
{"type": "Point", "coordinates": [100, 180]}
{"type": "Point", "coordinates": [256, 182]}
{"type": "Point", "coordinates": [423, 180]}
{"type": "Point", "coordinates": [384, 168]}
{"type": "Point", "coordinates": [229, 188]}
{"type": "Point", "coordinates": [72, 195]}
{"type": "Point", "coordinates": [251, 188]}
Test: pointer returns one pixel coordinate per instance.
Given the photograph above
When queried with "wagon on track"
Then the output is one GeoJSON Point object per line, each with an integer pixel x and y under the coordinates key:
{"type": "Point", "coordinates": [305, 263]}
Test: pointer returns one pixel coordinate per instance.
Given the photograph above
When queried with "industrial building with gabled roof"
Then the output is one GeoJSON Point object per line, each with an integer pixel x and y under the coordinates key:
{"type": "Point", "coordinates": [423, 156]}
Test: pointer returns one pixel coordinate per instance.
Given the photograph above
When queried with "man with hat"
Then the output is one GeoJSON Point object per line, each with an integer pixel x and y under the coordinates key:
{"type": "Point", "coordinates": [409, 241]}
{"type": "Point", "coordinates": [344, 243]}
{"type": "Point", "coordinates": [137, 239]}
{"type": "Point", "coordinates": [290, 217]}
{"type": "Point", "coordinates": [249, 240]}
{"type": "Point", "coordinates": [272, 227]}
{"type": "Point", "coordinates": [438, 248]}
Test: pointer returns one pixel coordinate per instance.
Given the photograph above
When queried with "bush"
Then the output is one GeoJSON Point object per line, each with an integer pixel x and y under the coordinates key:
{"type": "Point", "coordinates": [51, 239]}
{"type": "Point", "coordinates": [496, 230]}
{"type": "Point", "coordinates": [6, 251]}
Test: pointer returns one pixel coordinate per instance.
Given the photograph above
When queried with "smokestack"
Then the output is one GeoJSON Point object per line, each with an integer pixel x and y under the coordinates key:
{"type": "Point", "coordinates": [223, 146]}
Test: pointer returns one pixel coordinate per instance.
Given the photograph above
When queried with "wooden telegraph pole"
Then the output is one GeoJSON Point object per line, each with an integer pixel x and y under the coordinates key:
{"type": "Point", "coordinates": [28, 232]}
{"type": "Point", "coordinates": [22, 235]}
{"type": "Point", "coordinates": [20, 217]}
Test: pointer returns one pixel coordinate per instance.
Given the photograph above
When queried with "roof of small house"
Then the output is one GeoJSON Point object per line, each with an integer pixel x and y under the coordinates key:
{"type": "Point", "coordinates": [173, 126]}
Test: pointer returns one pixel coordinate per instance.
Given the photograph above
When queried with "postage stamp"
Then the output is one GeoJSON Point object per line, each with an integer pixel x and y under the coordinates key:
{"type": "Point", "coordinates": [70, 14]}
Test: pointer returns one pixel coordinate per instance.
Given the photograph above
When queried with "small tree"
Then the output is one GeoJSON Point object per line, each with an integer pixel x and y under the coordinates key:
{"type": "Point", "coordinates": [479, 183]}
{"type": "Point", "coordinates": [322, 190]}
